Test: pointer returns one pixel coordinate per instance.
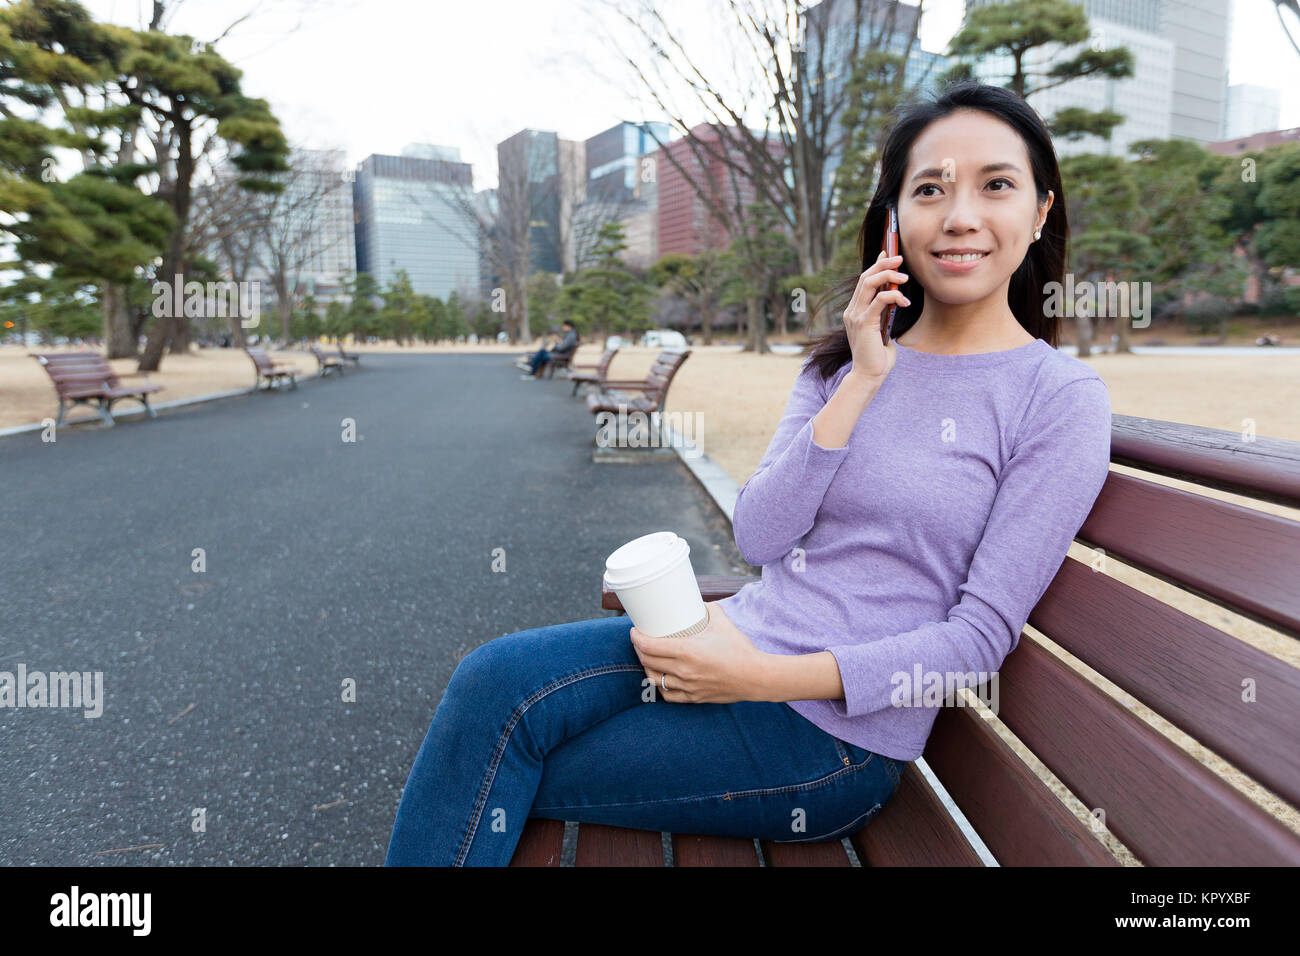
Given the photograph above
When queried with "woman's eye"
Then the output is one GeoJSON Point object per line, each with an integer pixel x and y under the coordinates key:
{"type": "Point", "coordinates": [1008, 182]}
{"type": "Point", "coordinates": [925, 186]}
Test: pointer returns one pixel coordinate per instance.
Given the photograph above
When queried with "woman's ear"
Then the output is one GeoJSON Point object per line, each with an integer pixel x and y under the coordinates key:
{"type": "Point", "coordinates": [1046, 206]}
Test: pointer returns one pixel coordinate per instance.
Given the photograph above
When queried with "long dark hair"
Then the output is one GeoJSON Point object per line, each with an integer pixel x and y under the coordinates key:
{"type": "Point", "coordinates": [1044, 261]}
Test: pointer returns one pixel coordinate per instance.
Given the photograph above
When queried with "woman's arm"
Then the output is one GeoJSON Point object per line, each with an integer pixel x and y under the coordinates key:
{"type": "Point", "coordinates": [1045, 492]}
{"type": "Point", "coordinates": [785, 677]}
{"type": "Point", "coordinates": [777, 505]}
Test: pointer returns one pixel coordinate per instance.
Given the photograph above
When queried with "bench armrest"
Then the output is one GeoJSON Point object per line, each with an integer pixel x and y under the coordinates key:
{"type": "Point", "coordinates": [713, 587]}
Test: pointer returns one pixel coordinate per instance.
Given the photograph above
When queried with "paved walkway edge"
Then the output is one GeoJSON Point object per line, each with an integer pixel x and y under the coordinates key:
{"type": "Point", "coordinates": [723, 490]}
{"type": "Point", "coordinates": [131, 412]}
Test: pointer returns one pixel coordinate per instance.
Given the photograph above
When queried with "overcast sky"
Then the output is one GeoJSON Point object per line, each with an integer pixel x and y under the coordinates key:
{"type": "Point", "coordinates": [370, 76]}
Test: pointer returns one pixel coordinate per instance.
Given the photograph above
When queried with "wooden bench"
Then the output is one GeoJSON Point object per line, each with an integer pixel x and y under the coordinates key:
{"type": "Point", "coordinates": [1166, 807]}
{"type": "Point", "coordinates": [327, 363]}
{"type": "Point", "coordinates": [353, 357]}
{"type": "Point", "coordinates": [270, 372]}
{"type": "Point", "coordinates": [549, 365]}
{"type": "Point", "coordinates": [81, 378]}
{"type": "Point", "coordinates": [592, 374]}
{"type": "Point", "coordinates": [653, 389]}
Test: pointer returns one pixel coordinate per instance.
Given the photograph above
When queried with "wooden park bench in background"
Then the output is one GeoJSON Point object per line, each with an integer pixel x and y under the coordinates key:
{"type": "Point", "coordinates": [553, 361]}
{"type": "Point", "coordinates": [653, 389]}
{"type": "Point", "coordinates": [81, 378]}
{"type": "Point", "coordinates": [271, 372]}
{"type": "Point", "coordinates": [327, 363]}
{"type": "Point", "coordinates": [353, 357]}
{"type": "Point", "coordinates": [1164, 805]}
{"type": "Point", "coordinates": [592, 374]}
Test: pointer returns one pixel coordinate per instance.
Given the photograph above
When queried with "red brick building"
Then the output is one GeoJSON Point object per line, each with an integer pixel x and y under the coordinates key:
{"type": "Point", "coordinates": [686, 224]}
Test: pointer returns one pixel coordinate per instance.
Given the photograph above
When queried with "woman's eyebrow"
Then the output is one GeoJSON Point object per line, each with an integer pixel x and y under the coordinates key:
{"type": "Point", "coordinates": [934, 172]}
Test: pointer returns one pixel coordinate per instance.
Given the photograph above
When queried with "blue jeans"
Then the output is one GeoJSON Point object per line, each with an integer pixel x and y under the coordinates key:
{"type": "Point", "coordinates": [539, 358]}
{"type": "Point", "coordinates": [561, 722]}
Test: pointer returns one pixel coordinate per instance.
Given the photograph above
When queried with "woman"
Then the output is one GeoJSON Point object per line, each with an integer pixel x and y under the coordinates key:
{"type": "Point", "coordinates": [915, 502]}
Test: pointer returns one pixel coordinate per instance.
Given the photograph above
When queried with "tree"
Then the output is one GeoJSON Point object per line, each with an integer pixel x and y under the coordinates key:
{"type": "Point", "coordinates": [1185, 220]}
{"type": "Point", "coordinates": [398, 315]}
{"type": "Point", "coordinates": [698, 279]}
{"type": "Point", "coordinates": [758, 259]}
{"type": "Point", "coordinates": [1103, 200]}
{"type": "Point", "coordinates": [362, 316]}
{"type": "Point", "coordinates": [784, 64]}
{"type": "Point", "coordinates": [185, 87]}
{"type": "Point", "coordinates": [609, 296]}
{"type": "Point", "coordinates": [1022, 30]}
{"type": "Point", "coordinates": [96, 226]}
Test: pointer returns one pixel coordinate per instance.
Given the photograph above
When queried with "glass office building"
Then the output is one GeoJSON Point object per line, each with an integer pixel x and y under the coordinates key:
{"type": "Point", "coordinates": [415, 212]}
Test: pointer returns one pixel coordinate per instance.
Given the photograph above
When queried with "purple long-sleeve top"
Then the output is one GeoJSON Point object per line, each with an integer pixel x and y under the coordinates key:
{"type": "Point", "coordinates": [921, 546]}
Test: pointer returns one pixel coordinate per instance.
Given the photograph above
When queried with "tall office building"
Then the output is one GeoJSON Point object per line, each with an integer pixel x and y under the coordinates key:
{"type": "Point", "coordinates": [308, 233]}
{"type": "Point", "coordinates": [613, 158]}
{"type": "Point", "coordinates": [485, 204]}
{"type": "Point", "coordinates": [1200, 31]}
{"type": "Point", "coordinates": [621, 187]}
{"type": "Point", "coordinates": [1251, 109]}
{"type": "Point", "coordinates": [411, 214]}
{"type": "Point", "coordinates": [687, 223]}
{"type": "Point", "coordinates": [888, 24]}
{"type": "Point", "coordinates": [547, 173]}
{"type": "Point", "coordinates": [327, 222]}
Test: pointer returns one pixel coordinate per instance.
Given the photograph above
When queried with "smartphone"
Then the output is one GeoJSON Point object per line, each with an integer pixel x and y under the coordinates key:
{"type": "Point", "coordinates": [890, 247]}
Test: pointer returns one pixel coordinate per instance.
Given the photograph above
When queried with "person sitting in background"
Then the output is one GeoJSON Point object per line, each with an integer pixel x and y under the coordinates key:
{"type": "Point", "coordinates": [568, 344]}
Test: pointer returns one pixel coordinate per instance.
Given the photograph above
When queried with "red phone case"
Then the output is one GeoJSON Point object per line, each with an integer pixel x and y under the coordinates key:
{"type": "Point", "coordinates": [890, 247]}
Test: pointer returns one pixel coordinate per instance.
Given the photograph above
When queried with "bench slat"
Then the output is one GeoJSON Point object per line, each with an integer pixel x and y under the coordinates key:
{"type": "Point", "coordinates": [914, 829]}
{"type": "Point", "coordinates": [540, 843]}
{"type": "Point", "coordinates": [601, 845]}
{"type": "Point", "coordinates": [1235, 556]}
{"type": "Point", "coordinates": [1154, 794]}
{"type": "Point", "coordinates": [1020, 821]}
{"type": "Point", "coordinates": [830, 853]}
{"type": "Point", "coordinates": [1264, 468]}
{"type": "Point", "coordinates": [1184, 669]}
{"type": "Point", "coordinates": [693, 849]}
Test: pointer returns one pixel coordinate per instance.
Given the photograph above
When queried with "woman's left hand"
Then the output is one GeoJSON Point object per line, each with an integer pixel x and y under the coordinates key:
{"type": "Point", "coordinates": [719, 665]}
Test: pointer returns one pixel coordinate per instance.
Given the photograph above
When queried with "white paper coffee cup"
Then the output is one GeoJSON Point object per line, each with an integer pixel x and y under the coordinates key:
{"type": "Point", "coordinates": [653, 579]}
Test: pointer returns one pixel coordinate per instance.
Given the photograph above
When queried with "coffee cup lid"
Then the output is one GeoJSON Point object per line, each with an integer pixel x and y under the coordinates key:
{"type": "Point", "coordinates": [643, 559]}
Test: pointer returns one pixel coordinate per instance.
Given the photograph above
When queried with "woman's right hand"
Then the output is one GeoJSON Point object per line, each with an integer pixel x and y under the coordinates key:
{"type": "Point", "coordinates": [863, 317]}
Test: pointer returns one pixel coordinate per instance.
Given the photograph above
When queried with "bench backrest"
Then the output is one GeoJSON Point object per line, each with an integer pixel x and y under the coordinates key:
{"type": "Point", "coordinates": [661, 375]}
{"type": "Point", "coordinates": [72, 371]}
{"type": "Point", "coordinates": [259, 357]}
{"type": "Point", "coordinates": [1189, 555]}
{"type": "Point", "coordinates": [1243, 704]}
{"type": "Point", "coordinates": [602, 367]}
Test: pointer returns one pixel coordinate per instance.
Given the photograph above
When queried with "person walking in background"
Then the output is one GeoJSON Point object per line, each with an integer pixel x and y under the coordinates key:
{"type": "Point", "coordinates": [568, 344]}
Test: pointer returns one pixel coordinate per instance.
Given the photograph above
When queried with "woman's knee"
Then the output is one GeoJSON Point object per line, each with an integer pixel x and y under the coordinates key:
{"type": "Point", "coordinates": [519, 663]}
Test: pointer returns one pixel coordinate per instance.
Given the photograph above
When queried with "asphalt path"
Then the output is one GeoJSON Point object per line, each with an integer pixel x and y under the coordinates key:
{"type": "Point", "coordinates": [323, 561]}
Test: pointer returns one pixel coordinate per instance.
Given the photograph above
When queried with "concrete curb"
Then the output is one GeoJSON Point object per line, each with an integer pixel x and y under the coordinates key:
{"type": "Point", "coordinates": [723, 490]}
{"type": "Point", "coordinates": [131, 412]}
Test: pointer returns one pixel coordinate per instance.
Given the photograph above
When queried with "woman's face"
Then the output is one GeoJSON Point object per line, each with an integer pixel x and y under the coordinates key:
{"type": "Point", "coordinates": [968, 192]}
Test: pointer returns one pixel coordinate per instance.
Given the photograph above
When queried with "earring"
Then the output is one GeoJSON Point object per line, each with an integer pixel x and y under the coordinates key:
{"type": "Point", "coordinates": [1038, 233]}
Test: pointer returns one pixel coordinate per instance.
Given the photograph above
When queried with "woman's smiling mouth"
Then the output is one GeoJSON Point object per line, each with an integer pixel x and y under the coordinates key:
{"type": "Point", "coordinates": [960, 260]}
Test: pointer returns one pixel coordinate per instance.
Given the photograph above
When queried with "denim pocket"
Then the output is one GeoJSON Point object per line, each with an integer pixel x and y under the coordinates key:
{"type": "Point", "coordinates": [848, 829]}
